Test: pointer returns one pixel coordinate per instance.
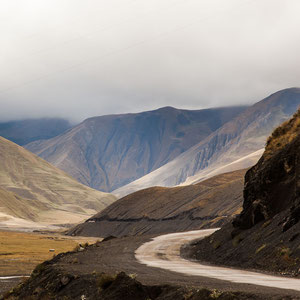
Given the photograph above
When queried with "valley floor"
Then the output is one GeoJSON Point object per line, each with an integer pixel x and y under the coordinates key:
{"type": "Point", "coordinates": [82, 268]}
{"type": "Point", "coordinates": [117, 255]}
{"type": "Point", "coordinates": [20, 252]}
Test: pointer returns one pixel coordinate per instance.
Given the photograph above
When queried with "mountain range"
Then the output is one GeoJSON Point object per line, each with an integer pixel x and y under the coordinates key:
{"type": "Point", "coordinates": [110, 151]}
{"type": "Point", "coordinates": [237, 144]}
{"type": "Point", "coordinates": [171, 146]}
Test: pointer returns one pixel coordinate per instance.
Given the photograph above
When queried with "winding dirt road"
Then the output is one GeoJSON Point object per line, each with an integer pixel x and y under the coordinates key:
{"type": "Point", "coordinates": [121, 254]}
{"type": "Point", "coordinates": [164, 252]}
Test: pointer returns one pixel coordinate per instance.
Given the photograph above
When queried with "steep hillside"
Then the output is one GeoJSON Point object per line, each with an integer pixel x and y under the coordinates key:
{"type": "Point", "coordinates": [33, 190]}
{"type": "Point", "coordinates": [26, 131]}
{"type": "Point", "coordinates": [237, 139]}
{"type": "Point", "coordinates": [266, 235]}
{"type": "Point", "coordinates": [110, 151]}
{"type": "Point", "coordinates": [160, 210]}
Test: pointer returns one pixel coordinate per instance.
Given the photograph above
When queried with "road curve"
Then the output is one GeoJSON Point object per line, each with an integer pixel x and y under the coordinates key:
{"type": "Point", "coordinates": [164, 252]}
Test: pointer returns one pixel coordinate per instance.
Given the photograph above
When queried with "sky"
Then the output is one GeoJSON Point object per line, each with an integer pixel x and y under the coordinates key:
{"type": "Point", "coordinates": [80, 58]}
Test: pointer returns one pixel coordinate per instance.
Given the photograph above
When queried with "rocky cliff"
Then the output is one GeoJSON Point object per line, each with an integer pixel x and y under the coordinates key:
{"type": "Point", "coordinates": [272, 185]}
{"type": "Point", "coordinates": [266, 235]}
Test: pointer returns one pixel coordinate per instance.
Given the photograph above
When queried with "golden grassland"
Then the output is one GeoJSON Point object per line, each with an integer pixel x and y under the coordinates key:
{"type": "Point", "coordinates": [283, 135]}
{"type": "Point", "coordinates": [20, 252]}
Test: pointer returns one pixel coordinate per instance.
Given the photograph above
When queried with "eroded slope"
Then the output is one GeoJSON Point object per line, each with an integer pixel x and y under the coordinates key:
{"type": "Point", "coordinates": [160, 210]}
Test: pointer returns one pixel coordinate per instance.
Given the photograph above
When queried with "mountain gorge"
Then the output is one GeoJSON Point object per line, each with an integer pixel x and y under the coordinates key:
{"type": "Point", "coordinates": [266, 233]}
{"type": "Point", "coordinates": [237, 144]}
{"type": "Point", "coordinates": [110, 151]}
{"type": "Point", "coordinates": [34, 191]}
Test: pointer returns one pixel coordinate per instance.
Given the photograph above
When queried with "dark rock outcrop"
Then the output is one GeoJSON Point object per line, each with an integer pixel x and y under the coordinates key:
{"type": "Point", "coordinates": [272, 185]}
{"type": "Point", "coordinates": [266, 234]}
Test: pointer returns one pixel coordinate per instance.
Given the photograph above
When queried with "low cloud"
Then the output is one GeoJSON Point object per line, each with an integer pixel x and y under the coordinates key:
{"type": "Point", "coordinates": [77, 59]}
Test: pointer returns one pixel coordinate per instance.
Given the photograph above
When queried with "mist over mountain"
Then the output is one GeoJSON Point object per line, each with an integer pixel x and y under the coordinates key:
{"type": "Point", "coordinates": [25, 131]}
{"type": "Point", "coordinates": [110, 151]}
{"type": "Point", "coordinates": [237, 144]}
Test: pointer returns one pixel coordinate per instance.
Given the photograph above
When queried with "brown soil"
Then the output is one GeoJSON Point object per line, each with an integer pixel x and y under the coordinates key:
{"type": "Point", "coordinates": [160, 210]}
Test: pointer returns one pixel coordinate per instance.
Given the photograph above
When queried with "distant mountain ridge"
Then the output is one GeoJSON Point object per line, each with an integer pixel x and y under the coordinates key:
{"type": "Point", "coordinates": [32, 190]}
{"type": "Point", "coordinates": [26, 131]}
{"type": "Point", "coordinates": [244, 136]}
{"type": "Point", "coordinates": [110, 151]}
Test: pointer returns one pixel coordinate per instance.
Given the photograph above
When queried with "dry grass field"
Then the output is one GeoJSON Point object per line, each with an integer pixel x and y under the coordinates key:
{"type": "Point", "coordinates": [20, 252]}
{"type": "Point", "coordinates": [283, 135]}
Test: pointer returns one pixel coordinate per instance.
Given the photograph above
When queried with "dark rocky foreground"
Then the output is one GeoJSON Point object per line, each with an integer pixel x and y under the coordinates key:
{"type": "Point", "coordinates": [266, 235]}
{"type": "Point", "coordinates": [263, 247]}
{"type": "Point", "coordinates": [49, 283]}
{"type": "Point", "coordinates": [97, 272]}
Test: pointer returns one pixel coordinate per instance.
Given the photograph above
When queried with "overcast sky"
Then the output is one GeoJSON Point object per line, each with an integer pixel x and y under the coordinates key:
{"type": "Point", "coordinates": [81, 58]}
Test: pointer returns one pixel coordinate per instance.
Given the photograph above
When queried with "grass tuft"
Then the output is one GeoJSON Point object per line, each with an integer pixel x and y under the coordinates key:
{"type": "Point", "coordinates": [283, 135]}
{"type": "Point", "coordinates": [260, 248]}
{"type": "Point", "coordinates": [105, 280]}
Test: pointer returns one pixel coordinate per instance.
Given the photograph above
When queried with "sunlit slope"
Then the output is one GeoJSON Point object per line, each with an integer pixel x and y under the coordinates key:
{"type": "Point", "coordinates": [33, 189]}
{"type": "Point", "coordinates": [107, 152]}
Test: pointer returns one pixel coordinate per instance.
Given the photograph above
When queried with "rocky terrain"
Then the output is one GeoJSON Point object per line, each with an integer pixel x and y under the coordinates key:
{"type": "Point", "coordinates": [34, 192]}
{"type": "Point", "coordinates": [107, 152]}
{"type": "Point", "coordinates": [93, 274]}
{"type": "Point", "coordinates": [266, 235]}
{"type": "Point", "coordinates": [160, 210]}
{"type": "Point", "coordinates": [50, 283]}
{"type": "Point", "coordinates": [26, 131]}
{"type": "Point", "coordinates": [240, 138]}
